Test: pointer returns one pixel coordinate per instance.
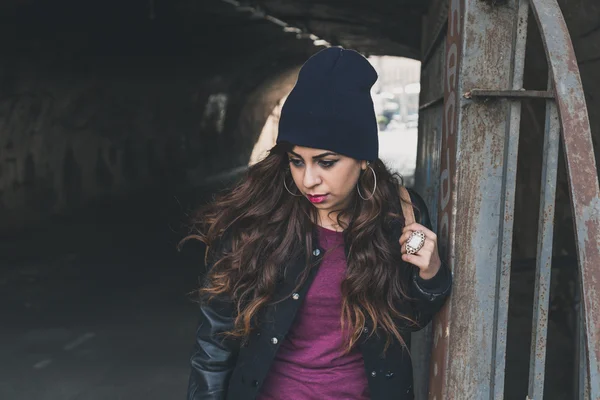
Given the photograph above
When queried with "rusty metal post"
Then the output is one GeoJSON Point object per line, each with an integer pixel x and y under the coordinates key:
{"type": "Point", "coordinates": [478, 165]}
{"type": "Point", "coordinates": [581, 171]}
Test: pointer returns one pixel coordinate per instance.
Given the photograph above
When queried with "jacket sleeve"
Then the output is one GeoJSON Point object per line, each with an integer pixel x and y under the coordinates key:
{"type": "Point", "coordinates": [214, 356]}
{"type": "Point", "coordinates": [429, 295]}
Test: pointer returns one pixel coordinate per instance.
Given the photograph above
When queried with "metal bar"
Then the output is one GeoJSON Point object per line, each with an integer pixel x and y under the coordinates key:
{"type": "Point", "coordinates": [431, 103]}
{"type": "Point", "coordinates": [585, 376]}
{"type": "Point", "coordinates": [582, 378]}
{"type": "Point", "coordinates": [581, 170]}
{"type": "Point", "coordinates": [509, 184]}
{"type": "Point", "coordinates": [582, 386]}
{"type": "Point", "coordinates": [541, 297]}
{"type": "Point", "coordinates": [579, 353]}
{"type": "Point", "coordinates": [510, 94]}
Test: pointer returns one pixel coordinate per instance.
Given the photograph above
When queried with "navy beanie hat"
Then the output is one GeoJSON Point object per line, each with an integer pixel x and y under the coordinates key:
{"type": "Point", "coordinates": [331, 107]}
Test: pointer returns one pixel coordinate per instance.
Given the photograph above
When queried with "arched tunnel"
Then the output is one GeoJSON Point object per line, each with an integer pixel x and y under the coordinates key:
{"type": "Point", "coordinates": [118, 118]}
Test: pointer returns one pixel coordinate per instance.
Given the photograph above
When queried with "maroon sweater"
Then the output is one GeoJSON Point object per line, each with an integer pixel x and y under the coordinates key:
{"type": "Point", "coordinates": [310, 363]}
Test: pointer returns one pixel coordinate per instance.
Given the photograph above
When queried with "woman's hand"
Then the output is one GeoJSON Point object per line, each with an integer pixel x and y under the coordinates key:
{"type": "Point", "coordinates": [427, 259]}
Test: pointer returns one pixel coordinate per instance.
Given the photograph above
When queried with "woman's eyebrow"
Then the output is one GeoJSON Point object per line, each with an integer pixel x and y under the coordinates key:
{"type": "Point", "coordinates": [329, 153]}
{"type": "Point", "coordinates": [319, 156]}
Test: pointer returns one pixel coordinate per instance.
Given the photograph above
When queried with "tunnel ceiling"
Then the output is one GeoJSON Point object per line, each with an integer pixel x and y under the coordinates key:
{"type": "Point", "coordinates": [375, 27]}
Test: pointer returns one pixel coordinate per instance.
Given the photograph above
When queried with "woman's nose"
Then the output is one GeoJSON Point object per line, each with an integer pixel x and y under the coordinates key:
{"type": "Point", "coordinates": [311, 177]}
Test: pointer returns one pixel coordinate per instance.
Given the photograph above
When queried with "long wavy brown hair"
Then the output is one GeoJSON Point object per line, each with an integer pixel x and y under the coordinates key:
{"type": "Point", "coordinates": [256, 228]}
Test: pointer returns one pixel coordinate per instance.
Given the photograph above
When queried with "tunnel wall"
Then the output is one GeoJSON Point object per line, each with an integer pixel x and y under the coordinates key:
{"type": "Point", "coordinates": [100, 104]}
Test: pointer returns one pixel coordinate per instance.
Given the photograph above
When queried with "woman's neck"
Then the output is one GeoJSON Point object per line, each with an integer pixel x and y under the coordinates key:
{"type": "Point", "coordinates": [330, 221]}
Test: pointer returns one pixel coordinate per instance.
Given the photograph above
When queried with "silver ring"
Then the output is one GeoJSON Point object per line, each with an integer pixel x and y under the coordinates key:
{"type": "Point", "coordinates": [415, 242]}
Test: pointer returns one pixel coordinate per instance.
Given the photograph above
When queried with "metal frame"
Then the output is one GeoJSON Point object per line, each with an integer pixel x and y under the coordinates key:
{"type": "Point", "coordinates": [581, 171]}
{"type": "Point", "coordinates": [478, 158]}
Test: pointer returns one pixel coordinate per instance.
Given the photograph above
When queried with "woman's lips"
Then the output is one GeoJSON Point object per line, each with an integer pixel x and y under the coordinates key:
{"type": "Point", "coordinates": [316, 199]}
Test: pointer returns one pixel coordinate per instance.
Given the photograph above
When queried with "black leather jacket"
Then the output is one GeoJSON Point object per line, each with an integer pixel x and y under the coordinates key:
{"type": "Point", "coordinates": [234, 369]}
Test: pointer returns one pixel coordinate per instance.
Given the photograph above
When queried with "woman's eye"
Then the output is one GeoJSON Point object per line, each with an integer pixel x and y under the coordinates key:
{"type": "Point", "coordinates": [327, 164]}
{"type": "Point", "coordinates": [295, 162]}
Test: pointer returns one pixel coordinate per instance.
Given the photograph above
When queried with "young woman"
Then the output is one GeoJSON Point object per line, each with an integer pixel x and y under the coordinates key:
{"type": "Point", "coordinates": [311, 291]}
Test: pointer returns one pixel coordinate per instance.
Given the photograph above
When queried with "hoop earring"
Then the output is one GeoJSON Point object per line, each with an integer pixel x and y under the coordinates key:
{"type": "Point", "coordinates": [374, 188]}
{"type": "Point", "coordinates": [286, 188]}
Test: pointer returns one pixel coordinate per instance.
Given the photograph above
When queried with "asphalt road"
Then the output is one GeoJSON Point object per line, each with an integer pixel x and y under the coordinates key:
{"type": "Point", "coordinates": [97, 308]}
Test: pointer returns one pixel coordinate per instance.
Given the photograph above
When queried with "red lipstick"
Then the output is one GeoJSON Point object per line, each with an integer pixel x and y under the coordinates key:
{"type": "Point", "coordinates": [317, 198]}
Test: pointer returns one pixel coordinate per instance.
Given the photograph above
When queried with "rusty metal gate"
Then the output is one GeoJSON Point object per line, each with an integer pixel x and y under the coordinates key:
{"type": "Point", "coordinates": [472, 88]}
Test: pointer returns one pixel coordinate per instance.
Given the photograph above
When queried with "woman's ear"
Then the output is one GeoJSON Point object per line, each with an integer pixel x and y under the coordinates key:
{"type": "Point", "coordinates": [363, 165]}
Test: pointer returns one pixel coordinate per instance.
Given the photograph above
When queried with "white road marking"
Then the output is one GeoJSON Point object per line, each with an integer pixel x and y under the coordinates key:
{"type": "Point", "coordinates": [81, 339]}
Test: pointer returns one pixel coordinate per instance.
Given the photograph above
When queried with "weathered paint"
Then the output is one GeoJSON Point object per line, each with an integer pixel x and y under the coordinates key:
{"type": "Point", "coordinates": [581, 170]}
{"type": "Point", "coordinates": [479, 150]}
{"type": "Point", "coordinates": [446, 204]}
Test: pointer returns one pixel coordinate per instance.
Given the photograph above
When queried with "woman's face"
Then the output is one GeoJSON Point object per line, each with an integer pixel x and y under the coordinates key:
{"type": "Point", "coordinates": [324, 177]}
